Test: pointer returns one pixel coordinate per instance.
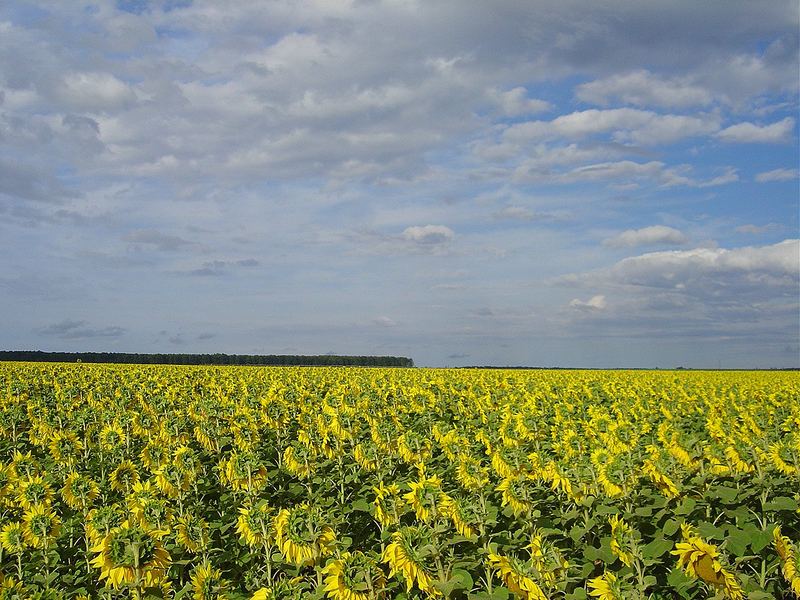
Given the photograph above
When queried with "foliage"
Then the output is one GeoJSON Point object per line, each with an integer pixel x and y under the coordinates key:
{"type": "Point", "coordinates": [358, 484]}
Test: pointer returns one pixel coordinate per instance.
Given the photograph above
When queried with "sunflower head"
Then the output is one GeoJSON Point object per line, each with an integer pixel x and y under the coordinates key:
{"type": "Point", "coordinates": [42, 526]}
{"type": "Point", "coordinates": [192, 533]}
{"type": "Point", "coordinates": [13, 538]}
{"type": "Point", "coordinates": [79, 491]}
{"type": "Point", "coordinates": [208, 584]}
{"type": "Point", "coordinates": [34, 490]}
{"type": "Point", "coordinates": [303, 535]}
{"type": "Point", "coordinates": [353, 577]}
{"type": "Point", "coordinates": [255, 524]}
{"type": "Point", "coordinates": [131, 554]}
{"type": "Point", "coordinates": [124, 477]}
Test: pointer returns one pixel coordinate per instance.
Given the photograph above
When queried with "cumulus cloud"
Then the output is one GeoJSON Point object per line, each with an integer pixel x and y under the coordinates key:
{"type": "Point", "coordinates": [626, 125]}
{"type": "Point", "coordinates": [646, 236]}
{"type": "Point", "coordinates": [777, 175]}
{"type": "Point", "coordinates": [592, 304]}
{"type": "Point", "coordinates": [706, 271]}
{"type": "Point", "coordinates": [515, 102]}
{"type": "Point", "coordinates": [750, 133]}
{"type": "Point", "coordinates": [74, 330]}
{"type": "Point", "coordinates": [428, 235]}
{"type": "Point", "coordinates": [643, 88]}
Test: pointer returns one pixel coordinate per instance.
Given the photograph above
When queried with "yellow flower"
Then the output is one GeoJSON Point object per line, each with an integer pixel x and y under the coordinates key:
{"type": "Point", "coordinates": [42, 526]}
{"type": "Point", "coordinates": [79, 491]}
{"type": "Point", "coordinates": [790, 560]}
{"type": "Point", "coordinates": [515, 578]}
{"type": "Point", "coordinates": [111, 437]}
{"type": "Point", "coordinates": [192, 533]}
{"type": "Point", "coordinates": [620, 540]}
{"type": "Point", "coordinates": [605, 587]}
{"type": "Point", "coordinates": [388, 504]}
{"type": "Point", "coordinates": [403, 557]}
{"type": "Point", "coordinates": [13, 538]}
{"type": "Point", "coordinates": [301, 536]}
{"type": "Point", "coordinates": [351, 571]}
{"type": "Point", "coordinates": [65, 447]}
{"type": "Point", "coordinates": [33, 491]}
{"type": "Point", "coordinates": [514, 490]}
{"type": "Point", "coordinates": [208, 584]}
{"type": "Point", "coordinates": [124, 477]}
{"type": "Point", "coordinates": [130, 554]}
{"type": "Point", "coordinates": [701, 560]}
{"type": "Point", "coordinates": [453, 509]}
{"type": "Point", "coordinates": [99, 521]}
{"type": "Point", "coordinates": [254, 524]}
{"type": "Point", "coordinates": [423, 496]}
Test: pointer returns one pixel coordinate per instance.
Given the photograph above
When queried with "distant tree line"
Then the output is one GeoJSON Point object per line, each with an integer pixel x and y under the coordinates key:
{"type": "Point", "coordinates": [322, 360]}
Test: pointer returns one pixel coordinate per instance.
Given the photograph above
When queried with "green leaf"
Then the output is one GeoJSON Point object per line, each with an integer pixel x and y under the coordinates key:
{"type": "Point", "coordinates": [781, 503]}
{"type": "Point", "coordinates": [658, 547]}
{"type": "Point", "coordinates": [737, 541]}
{"type": "Point", "coordinates": [671, 527]}
{"type": "Point", "coordinates": [685, 507]}
{"type": "Point", "coordinates": [760, 540]}
{"type": "Point", "coordinates": [463, 580]}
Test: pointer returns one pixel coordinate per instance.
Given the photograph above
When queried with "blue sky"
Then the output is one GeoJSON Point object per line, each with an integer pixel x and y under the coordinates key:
{"type": "Point", "coordinates": [541, 183]}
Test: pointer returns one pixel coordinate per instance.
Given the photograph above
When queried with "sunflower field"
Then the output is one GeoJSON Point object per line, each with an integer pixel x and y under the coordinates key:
{"type": "Point", "coordinates": [359, 484]}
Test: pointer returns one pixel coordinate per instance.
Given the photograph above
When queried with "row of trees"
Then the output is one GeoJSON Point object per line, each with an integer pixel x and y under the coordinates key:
{"type": "Point", "coordinates": [322, 360]}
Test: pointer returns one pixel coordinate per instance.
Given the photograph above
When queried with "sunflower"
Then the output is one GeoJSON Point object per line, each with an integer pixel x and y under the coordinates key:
{"type": "Point", "coordinates": [65, 447]}
{"type": "Point", "coordinates": [131, 554]}
{"type": "Point", "coordinates": [111, 437]}
{"type": "Point", "coordinates": [10, 588]}
{"type": "Point", "coordinates": [42, 526]}
{"type": "Point", "coordinates": [192, 533]}
{"type": "Point", "coordinates": [207, 583]}
{"type": "Point", "coordinates": [404, 556]}
{"type": "Point", "coordinates": [301, 536]}
{"type": "Point", "coordinates": [517, 577]}
{"type": "Point", "coordinates": [155, 454]}
{"type": "Point", "coordinates": [471, 474]}
{"type": "Point", "coordinates": [124, 477]}
{"type": "Point", "coordinates": [790, 560]}
{"type": "Point", "coordinates": [296, 460]}
{"type": "Point", "coordinates": [367, 459]}
{"type": "Point", "coordinates": [23, 465]}
{"type": "Point", "coordinates": [621, 534]}
{"type": "Point", "coordinates": [172, 481]}
{"type": "Point", "coordinates": [79, 491]}
{"type": "Point", "coordinates": [388, 504]}
{"type": "Point", "coordinates": [457, 510]}
{"type": "Point", "coordinates": [515, 493]}
{"type": "Point", "coordinates": [33, 490]}
{"type": "Point", "coordinates": [243, 471]}
{"type": "Point", "coordinates": [700, 559]}
{"type": "Point", "coordinates": [13, 538]}
{"type": "Point", "coordinates": [254, 524]}
{"type": "Point", "coordinates": [155, 514]}
{"type": "Point", "coordinates": [423, 496]}
{"type": "Point", "coordinates": [605, 587]}
{"type": "Point", "coordinates": [141, 493]}
{"type": "Point", "coordinates": [99, 521]}
{"type": "Point", "coordinates": [353, 577]}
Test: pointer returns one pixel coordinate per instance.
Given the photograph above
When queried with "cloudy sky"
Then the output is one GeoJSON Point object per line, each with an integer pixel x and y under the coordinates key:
{"type": "Point", "coordinates": [567, 183]}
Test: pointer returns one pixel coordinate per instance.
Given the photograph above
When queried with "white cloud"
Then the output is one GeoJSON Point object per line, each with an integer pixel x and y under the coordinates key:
{"type": "Point", "coordinates": [384, 321]}
{"type": "Point", "coordinates": [642, 88]}
{"type": "Point", "coordinates": [750, 133]}
{"type": "Point", "coordinates": [646, 236]}
{"type": "Point", "coordinates": [428, 235]}
{"type": "Point", "coordinates": [592, 304]}
{"type": "Point", "coordinates": [626, 125]}
{"type": "Point", "coordinates": [515, 102]}
{"type": "Point", "coordinates": [95, 91]}
{"type": "Point", "coordinates": [777, 175]}
{"type": "Point", "coordinates": [757, 229]}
